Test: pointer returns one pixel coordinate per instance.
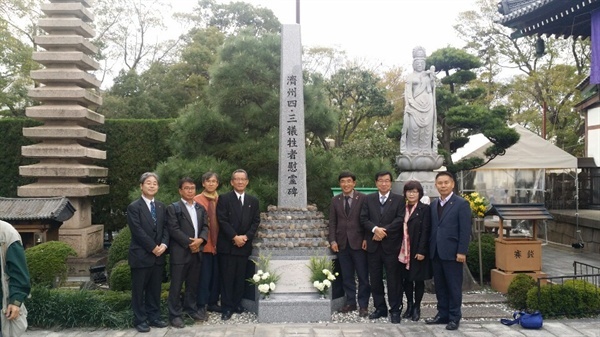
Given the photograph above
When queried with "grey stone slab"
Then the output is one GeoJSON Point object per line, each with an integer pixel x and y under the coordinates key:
{"type": "Point", "coordinates": [295, 308]}
{"type": "Point", "coordinates": [74, 42]}
{"type": "Point", "coordinates": [70, 9]}
{"type": "Point", "coordinates": [76, 58]}
{"type": "Point", "coordinates": [292, 148]}
{"type": "Point", "coordinates": [559, 329]}
{"type": "Point", "coordinates": [66, 26]}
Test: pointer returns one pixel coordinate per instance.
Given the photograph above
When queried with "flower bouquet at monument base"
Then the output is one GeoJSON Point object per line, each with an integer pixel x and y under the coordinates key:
{"type": "Point", "coordinates": [478, 203]}
{"type": "Point", "coordinates": [321, 274]}
{"type": "Point", "coordinates": [264, 279]}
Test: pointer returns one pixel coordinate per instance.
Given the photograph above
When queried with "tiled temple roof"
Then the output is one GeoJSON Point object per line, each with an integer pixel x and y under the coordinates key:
{"type": "Point", "coordinates": [57, 209]}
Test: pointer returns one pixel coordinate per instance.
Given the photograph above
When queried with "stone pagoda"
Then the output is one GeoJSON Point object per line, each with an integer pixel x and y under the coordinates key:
{"type": "Point", "coordinates": [68, 93]}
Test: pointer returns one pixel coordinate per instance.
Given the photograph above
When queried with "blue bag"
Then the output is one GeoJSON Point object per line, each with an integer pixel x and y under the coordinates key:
{"type": "Point", "coordinates": [527, 321]}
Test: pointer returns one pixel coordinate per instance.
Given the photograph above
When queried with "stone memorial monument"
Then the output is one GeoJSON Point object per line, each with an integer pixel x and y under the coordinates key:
{"type": "Point", "coordinates": [67, 91]}
{"type": "Point", "coordinates": [418, 145]}
{"type": "Point", "coordinates": [292, 232]}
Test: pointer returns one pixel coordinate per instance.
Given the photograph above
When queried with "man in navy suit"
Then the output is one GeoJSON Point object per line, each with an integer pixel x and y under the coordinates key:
{"type": "Point", "coordinates": [239, 217]}
{"type": "Point", "coordinates": [188, 229]}
{"type": "Point", "coordinates": [347, 239]}
{"type": "Point", "coordinates": [147, 222]}
{"type": "Point", "coordinates": [382, 217]}
{"type": "Point", "coordinates": [449, 244]}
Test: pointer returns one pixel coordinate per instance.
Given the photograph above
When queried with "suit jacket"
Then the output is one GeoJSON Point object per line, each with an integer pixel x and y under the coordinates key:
{"type": "Point", "coordinates": [346, 228]}
{"type": "Point", "coordinates": [181, 229]}
{"type": "Point", "coordinates": [450, 233]}
{"type": "Point", "coordinates": [391, 218]}
{"type": "Point", "coordinates": [145, 236]}
{"type": "Point", "coordinates": [235, 221]}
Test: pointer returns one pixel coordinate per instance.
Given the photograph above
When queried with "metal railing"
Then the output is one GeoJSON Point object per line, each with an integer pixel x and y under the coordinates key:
{"type": "Point", "coordinates": [580, 300]}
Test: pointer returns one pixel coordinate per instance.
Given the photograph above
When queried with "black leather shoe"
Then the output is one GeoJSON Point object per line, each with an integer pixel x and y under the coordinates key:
{"type": "Point", "coordinates": [377, 314]}
{"type": "Point", "coordinates": [395, 318]}
{"type": "Point", "coordinates": [436, 320]}
{"type": "Point", "coordinates": [409, 311]}
{"type": "Point", "coordinates": [226, 315]}
{"type": "Point", "coordinates": [416, 315]}
{"type": "Point", "coordinates": [239, 310]}
{"type": "Point", "coordinates": [177, 322]}
{"type": "Point", "coordinates": [158, 323]}
{"type": "Point", "coordinates": [142, 327]}
{"type": "Point", "coordinates": [452, 325]}
{"type": "Point", "coordinates": [213, 308]}
{"type": "Point", "coordinates": [196, 316]}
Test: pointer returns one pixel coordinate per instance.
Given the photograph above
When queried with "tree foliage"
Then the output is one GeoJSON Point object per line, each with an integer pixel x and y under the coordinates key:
{"type": "Point", "coordinates": [547, 80]}
{"type": "Point", "coordinates": [459, 114]}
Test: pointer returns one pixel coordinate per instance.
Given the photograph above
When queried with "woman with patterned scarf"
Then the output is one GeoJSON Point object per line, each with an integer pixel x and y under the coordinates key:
{"type": "Point", "coordinates": [208, 288]}
{"type": "Point", "coordinates": [415, 246]}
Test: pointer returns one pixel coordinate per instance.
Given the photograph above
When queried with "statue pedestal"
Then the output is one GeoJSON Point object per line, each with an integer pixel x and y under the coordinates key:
{"type": "Point", "coordinates": [426, 178]}
{"type": "Point", "coordinates": [419, 167]}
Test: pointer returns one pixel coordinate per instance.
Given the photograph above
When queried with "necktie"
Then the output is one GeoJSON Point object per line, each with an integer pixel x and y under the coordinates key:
{"type": "Point", "coordinates": [347, 205]}
{"type": "Point", "coordinates": [153, 211]}
{"type": "Point", "coordinates": [382, 200]}
{"type": "Point", "coordinates": [241, 203]}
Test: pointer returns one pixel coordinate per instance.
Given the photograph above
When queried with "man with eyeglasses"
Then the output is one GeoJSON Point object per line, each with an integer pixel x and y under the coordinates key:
{"type": "Point", "coordinates": [239, 217]}
{"type": "Point", "coordinates": [188, 228]}
{"type": "Point", "coordinates": [381, 215]}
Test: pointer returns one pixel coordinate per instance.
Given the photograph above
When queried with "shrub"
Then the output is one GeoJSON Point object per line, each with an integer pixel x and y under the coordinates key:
{"type": "Point", "coordinates": [488, 256]}
{"type": "Point", "coordinates": [47, 263]}
{"type": "Point", "coordinates": [517, 290]}
{"type": "Point", "coordinates": [118, 249]}
{"type": "Point", "coordinates": [68, 308]}
{"type": "Point", "coordinates": [120, 278]}
{"type": "Point", "coordinates": [574, 298]}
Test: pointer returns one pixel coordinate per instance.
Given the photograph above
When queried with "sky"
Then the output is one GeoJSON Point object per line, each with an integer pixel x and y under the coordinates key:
{"type": "Point", "coordinates": [382, 32]}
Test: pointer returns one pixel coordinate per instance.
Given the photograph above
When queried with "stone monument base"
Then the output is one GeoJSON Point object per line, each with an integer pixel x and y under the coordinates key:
{"type": "Point", "coordinates": [296, 308]}
{"type": "Point", "coordinates": [86, 241]}
{"type": "Point", "coordinates": [426, 178]}
{"type": "Point", "coordinates": [80, 266]}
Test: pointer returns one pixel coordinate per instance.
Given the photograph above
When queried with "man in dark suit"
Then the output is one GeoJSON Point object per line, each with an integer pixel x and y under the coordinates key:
{"type": "Point", "coordinates": [188, 228]}
{"type": "Point", "coordinates": [382, 217]}
{"type": "Point", "coordinates": [147, 221]}
{"type": "Point", "coordinates": [239, 217]}
{"type": "Point", "coordinates": [347, 239]}
{"type": "Point", "coordinates": [448, 247]}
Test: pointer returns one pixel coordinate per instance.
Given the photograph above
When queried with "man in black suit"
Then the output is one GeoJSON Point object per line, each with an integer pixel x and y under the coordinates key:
{"type": "Point", "coordinates": [188, 228]}
{"type": "Point", "coordinates": [448, 247]}
{"type": "Point", "coordinates": [239, 218]}
{"type": "Point", "coordinates": [347, 239]}
{"type": "Point", "coordinates": [147, 222]}
{"type": "Point", "coordinates": [382, 217]}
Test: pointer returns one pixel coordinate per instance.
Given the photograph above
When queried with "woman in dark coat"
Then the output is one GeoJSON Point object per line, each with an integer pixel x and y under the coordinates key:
{"type": "Point", "coordinates": [417, 225]}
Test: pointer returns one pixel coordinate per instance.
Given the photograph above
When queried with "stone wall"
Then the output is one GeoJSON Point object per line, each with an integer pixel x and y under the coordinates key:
{"type": "Point", "coordinates": [564, 226]}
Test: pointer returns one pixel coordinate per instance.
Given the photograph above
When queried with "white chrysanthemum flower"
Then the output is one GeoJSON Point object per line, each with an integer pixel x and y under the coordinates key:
{"type": "Point", "coordinates": [316, 284]}
{"type": "Point", "coordinates": [321, 287]}
{"type": "Point", "coordinates": [265, 276]}
{"type": "Point", "coordinates": [325, 271]}
{"type": "Point", "coordinates": [263, 288]}
{"type": "Point", "coordinates": [256, 277]}
{"type": "Point", "coordinates": [327, 283]}
{"type": "Point", "coordinates": [259, 272]}
{"type": "Point", "coordinates": [272, 286]}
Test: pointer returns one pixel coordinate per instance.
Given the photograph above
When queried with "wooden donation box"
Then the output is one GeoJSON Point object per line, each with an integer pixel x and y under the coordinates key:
{"type": "Point", "coordinates": [517, 254]}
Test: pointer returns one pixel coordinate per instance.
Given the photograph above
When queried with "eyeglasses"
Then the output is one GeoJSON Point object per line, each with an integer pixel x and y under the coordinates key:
{"type": "Point", "coordinates": [412, 192]}
{"type": "Point", "coordinates": [189, 188]}
{"type": "Point", "coordinates": [387, 181]}
{"type": "Point", "coordinates": [239, 179]}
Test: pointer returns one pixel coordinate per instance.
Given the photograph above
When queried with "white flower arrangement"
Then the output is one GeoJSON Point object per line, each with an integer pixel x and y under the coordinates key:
{"type": "Point", "coordinates": [264, 280]}
{"type": "Point", "coordinates": [321, 275]}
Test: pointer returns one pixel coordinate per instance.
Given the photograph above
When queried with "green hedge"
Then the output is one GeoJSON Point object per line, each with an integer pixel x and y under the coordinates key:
{"type": "Point", "coordinates": [133, 146]}
{"type": "Point", "coordinates": [10, 156]}
{"type": "Point", "coordinates": [51, 308]}
{"type": "Point", "coordinates": [574, 298]}
{"type": "Point", "coordinates": [47, 263]}
{"type": "Point", "coordinates": [488, 256]}
{"type": "Point", "coordinates": [517, 291]}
